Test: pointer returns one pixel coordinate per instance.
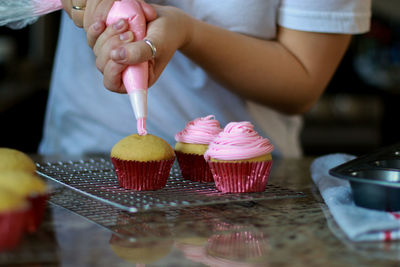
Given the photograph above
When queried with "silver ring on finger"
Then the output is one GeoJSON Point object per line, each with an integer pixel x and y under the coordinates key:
{"type": "Point", "coordinates": [152, 47]}
{"type": "Point", "coordinates": [79, 8]}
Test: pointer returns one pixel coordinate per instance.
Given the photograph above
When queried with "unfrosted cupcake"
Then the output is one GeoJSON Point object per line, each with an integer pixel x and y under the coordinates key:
{"type": "Point", "coordinates": [192, 143]}
{"type": "Point", "coordinates": [240, 160]}
{"type": "Point", "coordinates": [12, 159]}
{"type": "Point", "coordinates": [30, 187]}
{"type": "Point", "coordinates": [141, 252]}
{"type": "Point", "coordinates": [142, 162]}
{"type": "Point", "coordinates": [12, 219]}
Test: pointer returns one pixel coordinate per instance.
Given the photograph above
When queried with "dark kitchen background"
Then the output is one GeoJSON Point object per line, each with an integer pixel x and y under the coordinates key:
{"type": "Point", "coordinates": [357, 113]}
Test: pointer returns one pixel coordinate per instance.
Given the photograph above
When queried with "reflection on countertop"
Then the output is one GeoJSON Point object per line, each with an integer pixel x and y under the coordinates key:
{"type": "Point", "coordinates": [279, 232]}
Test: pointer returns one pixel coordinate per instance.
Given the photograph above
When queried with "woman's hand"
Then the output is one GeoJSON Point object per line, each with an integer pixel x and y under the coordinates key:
{"type": "Point", "coordinates": [168, 32]}
{"type": "Point", "coordinates": [85, 13]}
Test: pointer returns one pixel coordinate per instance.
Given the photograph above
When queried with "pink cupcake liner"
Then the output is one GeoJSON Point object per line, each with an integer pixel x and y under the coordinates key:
{"type": "Point", "coordinates": [142, 176]}
{"type": "Point", "coordinates": [12, 226]}
{"type": "Point", "coordinates": [35, 213]}
{"type": "Point", "coordinates": [240, 177]}
{"type": "Point", "coordinates": [194, 167]}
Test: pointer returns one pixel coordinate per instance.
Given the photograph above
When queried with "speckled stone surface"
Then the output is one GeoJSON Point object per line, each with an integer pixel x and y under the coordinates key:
{"type": "Point", "coordinates": [280, 232]}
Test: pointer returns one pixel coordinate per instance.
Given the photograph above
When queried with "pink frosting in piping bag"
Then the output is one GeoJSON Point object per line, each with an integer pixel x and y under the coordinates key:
{"type": "Point", "coordinates": [238, 141]}
{"type": "Point", "coordinates": [135, 77]}
{"type": "Point", "coordinates": [199, 131]}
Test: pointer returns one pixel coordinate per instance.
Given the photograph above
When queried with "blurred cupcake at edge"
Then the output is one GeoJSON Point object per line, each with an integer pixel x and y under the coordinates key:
{"type": "Point", "coordinates": [192, 143]}
{"type": "Point", "coordinates": [240, 159]}
{"type": "Point", "coordinates": [32, 188]}
{"type": "Point", "coordinates": [142, 162]}
{"type": "Point", "coordinates": [13, 210]}
{"type": "Point", "coordinates": [12, 159]}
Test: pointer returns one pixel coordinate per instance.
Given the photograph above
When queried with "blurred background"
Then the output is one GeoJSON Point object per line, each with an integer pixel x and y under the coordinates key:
{"type": "Point", "coordinates": [357, 114]}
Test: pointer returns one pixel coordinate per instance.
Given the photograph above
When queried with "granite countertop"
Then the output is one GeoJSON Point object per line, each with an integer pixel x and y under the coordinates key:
{"type": "Point", "coordinates": [277, 232]}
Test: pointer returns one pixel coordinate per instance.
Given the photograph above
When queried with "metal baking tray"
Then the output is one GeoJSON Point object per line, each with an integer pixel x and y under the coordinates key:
{"type": "Point", "coordinates": [374, 178]}
{"type": "Point", "coordinates": [96, 178]}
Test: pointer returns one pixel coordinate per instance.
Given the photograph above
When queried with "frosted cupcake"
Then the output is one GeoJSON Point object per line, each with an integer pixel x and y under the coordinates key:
{"type": "Point", "coordinates": [142, 162]}
{"type": "Point", "coordinates": [191, 144]}
{"type": "Point", "coordinates": [240, 160]}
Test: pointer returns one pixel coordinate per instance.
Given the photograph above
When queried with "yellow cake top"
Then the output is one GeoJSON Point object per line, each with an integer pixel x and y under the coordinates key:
{"type": "Point", "coordinates": [197, 149]}
{"type": "Point", "coordinates": [265, 157]}
{"type": "Point", "coordinates": [10, 201]}
{"type": "Point", "coordinates": [22, 183]}
{"type": "Point", "coordinates": [142, 148]}
{"type": "Point", "coordinates": [12, 159]}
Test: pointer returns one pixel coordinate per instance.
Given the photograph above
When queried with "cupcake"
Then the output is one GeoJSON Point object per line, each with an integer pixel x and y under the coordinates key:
{"type": "Point", "coordinates": [142, 251]}
{"type": "Point", "coordinates": [142, 162]}
{"type": "Point", "coordinates": [236, 243]}
{"type": "Point", "coordinates": [30, 187]}
{"type": "Point", "coordinates": [191, 144]}
{"type": "Point", "coordinates": [12, 217]}
{"type": "Point", "coordinates": [12, 159]}
{"type": "Point", "coordinates": [192, 247]}
{"type": "Point", "coordinates": [240, 160]}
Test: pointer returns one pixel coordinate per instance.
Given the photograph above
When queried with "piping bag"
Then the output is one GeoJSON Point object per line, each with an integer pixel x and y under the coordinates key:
{"type": "Point", "coordinates": [135, 77]}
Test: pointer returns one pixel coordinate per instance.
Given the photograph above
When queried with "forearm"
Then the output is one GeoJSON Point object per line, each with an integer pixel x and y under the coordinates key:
{"type": "Point", "coordinates": [288, 74]}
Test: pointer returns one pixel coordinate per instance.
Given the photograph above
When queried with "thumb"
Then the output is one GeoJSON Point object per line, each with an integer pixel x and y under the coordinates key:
{"type": "Point", "coordinates": [132, 53]}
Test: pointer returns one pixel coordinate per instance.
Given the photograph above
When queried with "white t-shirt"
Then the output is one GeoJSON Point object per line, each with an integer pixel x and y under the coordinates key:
{"type": "Point", "coordinates": [83, 117]}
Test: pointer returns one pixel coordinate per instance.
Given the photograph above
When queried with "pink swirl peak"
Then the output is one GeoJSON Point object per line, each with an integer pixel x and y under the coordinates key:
{"type": "Point", "coordinates": [238, 141]}
{"type": "Point", "coordinates": [199, 131]}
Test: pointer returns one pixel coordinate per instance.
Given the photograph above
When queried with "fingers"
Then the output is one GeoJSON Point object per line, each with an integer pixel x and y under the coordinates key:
{"type": "Point", "coordinates": [67, 6]}
{"type": "Point", "coordinates": [103, 57]}
{"type": "Point", "coordinates": [78, 11]}
{"type": "Point", "coordinates": [132, 53]}
{"type": "Point", "coordinates": [113, 77]}
{"type": "Point", "coordinates": [148, 11]}
{"type": "Point", "coordinates": [97, 10]}
{"type": "Point", "coordinates": [94, 32]}
{"type": "Point", "coordinates": [113, 37]}
{"type": "Point", "coordinates": [117, 28]}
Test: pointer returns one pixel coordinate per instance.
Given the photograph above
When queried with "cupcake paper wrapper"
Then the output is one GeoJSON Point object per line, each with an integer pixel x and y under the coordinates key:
{"type": "Point", "coordinates": [240, 177]}
{"type": "Point", "coordinates": [194, 167]}
{"type": "Point", "coordinates": [12, 226]}
{"type": "Point", "coordinates": [142, 176]}
{"type": "Point", "coordinates": [243, 244]}
{"type": "Point", "coordinates": [36, 211]}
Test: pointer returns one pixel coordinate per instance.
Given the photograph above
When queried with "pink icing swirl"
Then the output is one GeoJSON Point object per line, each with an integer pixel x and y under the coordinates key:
{"type": "Point", "coordinates": [238, 141]}
{"type": "Point", "coordinates": [199, 131]}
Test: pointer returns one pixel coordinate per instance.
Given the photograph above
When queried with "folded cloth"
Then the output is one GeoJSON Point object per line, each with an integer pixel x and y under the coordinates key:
{"type": "Point", "coordinates": [359, 224]}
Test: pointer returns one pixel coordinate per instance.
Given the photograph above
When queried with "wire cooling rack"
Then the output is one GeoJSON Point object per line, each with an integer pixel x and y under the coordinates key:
{"type": "Point", "coordinates": [147, 225]}
{"type": "Point", "coordinates": [96, 179]}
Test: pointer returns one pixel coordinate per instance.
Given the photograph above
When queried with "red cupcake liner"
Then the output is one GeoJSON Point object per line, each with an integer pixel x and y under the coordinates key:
{"type": "Point", "coordinates": [142, 176]}
{"type": "Point", "coordinates": [240, 244]}
{"type": "Point", "coordinates": [12, 226]}
{"type": "Point", "coordinates": [194, 167]}
{"type": "Point", "coordinates": [36, 212]}
{"type": "Point", "coordinates": [240, 177]}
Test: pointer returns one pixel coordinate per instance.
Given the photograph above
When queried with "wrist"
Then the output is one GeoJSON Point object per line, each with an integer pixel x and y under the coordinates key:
{"type": "Point", "coordinates": [189, 26]}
